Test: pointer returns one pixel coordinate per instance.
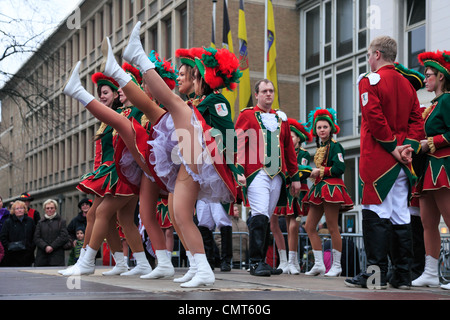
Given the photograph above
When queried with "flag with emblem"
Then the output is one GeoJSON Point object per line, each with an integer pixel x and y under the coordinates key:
{"type": "Point", "coordinates": [271, 71]}
{"type": "Point", "coordinates": [245, 90]}
{"type": "Point", "coordinates": [213, 25]}
{"type": "Point", "coordinates": [227, 42]}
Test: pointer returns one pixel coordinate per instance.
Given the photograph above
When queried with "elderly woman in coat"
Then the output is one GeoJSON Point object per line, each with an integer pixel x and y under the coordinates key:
{"type": "Point", "coordinates": [50, 237]}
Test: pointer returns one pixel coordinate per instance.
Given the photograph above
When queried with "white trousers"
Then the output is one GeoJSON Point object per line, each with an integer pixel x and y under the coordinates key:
{"type": "Point", "coordinates": [212, 215]}
{"type": "Point", "coordinates": [263, 194]}
{"type": "Point", "coordinates": [395, 206]}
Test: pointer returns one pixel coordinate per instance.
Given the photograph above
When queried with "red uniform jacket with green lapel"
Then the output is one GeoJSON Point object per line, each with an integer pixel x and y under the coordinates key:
{"type": "Point", "coordinates": [390, 117]}
{"type": "Point", "coordinates": [255, 146]}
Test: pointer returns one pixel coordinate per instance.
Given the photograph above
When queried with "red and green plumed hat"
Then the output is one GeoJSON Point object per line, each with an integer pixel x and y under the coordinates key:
{"type": "Point", "coordinates": [165, 69]}
{"type": "Point", "coordinates": [135, 74]}
{"type": "Point", "coordinates": [299, 129]}
{"type": "Point", "coordinates": [187, 56]}
{"type": "Point", "coordinates": [439, 60]}
{"type": "Point", "coordinates": [219, 68]}
{"type": "Point", "coordinates": [323, 114]}
{"type": "Point", "coordinates": [413, 76]}
{"type": "Point", "coordinates": [100, 79]}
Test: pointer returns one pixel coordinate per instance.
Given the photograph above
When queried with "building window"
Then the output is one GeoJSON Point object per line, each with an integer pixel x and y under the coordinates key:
{"type": "Point", "coordinates": [183, 28]}
{"type": "Point", "coordinates": [334, 41]}
{"type": "Point", "coordinates": [416, 32]}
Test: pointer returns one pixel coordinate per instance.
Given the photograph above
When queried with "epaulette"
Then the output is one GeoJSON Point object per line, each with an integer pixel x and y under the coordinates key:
{"type": "Point", "coordinates": [373, 77]}
{"type": "Point", "coordinates": [246, 109]}
{"type": "Point", "coordinates": [281, 114]}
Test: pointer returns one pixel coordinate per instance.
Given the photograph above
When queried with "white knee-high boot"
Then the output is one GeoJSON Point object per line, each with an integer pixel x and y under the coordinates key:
{"type": "Point", "coordinates": [120, 266]}
{"type": "Point", "coordinates": [283, 261]}
{"type": "Point", "coordinates": [319, 266]}
{"type": "Point", "coordinates": [336, 269]}
{"type": "Point", "coordinates": [86, 265]}
{"type": "Point", "coordinates": [204, 275]}
{"type": "Point", "coordinates": [293, 265]}
{"type": "Point", "coordinates": [164, 269]}
{"type": "Point", "coordinates": [82, 252]}
{"type": "Point", "coordinates": [134, 53]}
{"type": "Point", "coordinates": [142, 265]}
{"type": "Point", "coordinates": [191, 271]}
{"type": "Point", "coordinates": [74, 89]}
{"type": "Point", "coordinates": [110, 67]}
{"type": "Point", "coordinates": [429, 277]}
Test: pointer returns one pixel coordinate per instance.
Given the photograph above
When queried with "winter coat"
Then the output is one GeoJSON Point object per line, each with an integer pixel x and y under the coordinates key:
{"type": "Point", "coordinates": [75, 224]}
{"type": "Point", "coordinates": [15, 230]}
{"type": "Point", "coordinates": [53, 233]}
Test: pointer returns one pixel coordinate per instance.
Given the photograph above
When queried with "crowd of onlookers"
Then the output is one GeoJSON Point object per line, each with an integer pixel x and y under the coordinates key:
{"type": "Point", "coordinates": [27, 238]}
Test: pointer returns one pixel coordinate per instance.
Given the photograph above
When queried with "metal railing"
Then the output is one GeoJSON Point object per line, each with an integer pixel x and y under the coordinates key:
{"type": "Point", "coordinates": [353, 252]}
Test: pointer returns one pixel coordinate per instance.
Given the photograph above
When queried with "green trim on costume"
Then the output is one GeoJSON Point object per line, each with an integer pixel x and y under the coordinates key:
{"type": "Point", "coordinates": [414, 144]}
{"type": "Point", "coordinates": [389, 146]}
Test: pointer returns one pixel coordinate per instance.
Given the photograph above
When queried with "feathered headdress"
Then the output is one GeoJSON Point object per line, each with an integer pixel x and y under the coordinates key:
{"type": "Point", "coordinates": [100, 79]}
{"type": "Point", "coordinates": [165, 69]}
{"type": "Point", "coordinates": [413, 76]}
{"type": "Point", "coordinates": [299, 129]}
{"type": "Point", "coordinates": [219, 68]}
{"type": "Point", "coordinates": [135, 74]}
{"type": "Point", "coordinates": [323, 114]}
{"type": "Point", "coordinates": [187, 56]}
{"type": "Point", "coordinates": [439, 60]}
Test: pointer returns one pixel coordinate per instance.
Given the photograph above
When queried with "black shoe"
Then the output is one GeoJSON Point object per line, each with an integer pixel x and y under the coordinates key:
{"type": "Point", "coordinates": [258, 269]}
{"type": "Point", "coordinates": [273, 271]}
{"type": "Point", "coordinates": [360, 281]}
{"type": "Point", "coordinates": [225, 266]}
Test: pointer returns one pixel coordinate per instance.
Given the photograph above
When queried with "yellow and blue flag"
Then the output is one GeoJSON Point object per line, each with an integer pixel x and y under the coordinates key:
{"type": "Point", "coordinates": [245, 89]}
{"type": "Point", "coordinates": [272, 53]}
{"type": "Point", "coordinates": [227, 42]}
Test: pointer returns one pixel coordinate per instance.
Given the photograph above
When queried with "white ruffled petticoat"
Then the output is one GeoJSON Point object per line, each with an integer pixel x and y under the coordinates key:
{"type": "Point", "coordinates": [129, 168]}
{"type": "Point", "coordinates": [166, 158]}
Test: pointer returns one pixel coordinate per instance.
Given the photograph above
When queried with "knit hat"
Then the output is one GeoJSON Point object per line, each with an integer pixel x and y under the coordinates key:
{"type": "Point", "coordinates": [439, 60]}
{"type": "Point", "coordinates": [165, 69]}
{"type": "Point", "coordinates": [413, 76]}
{"type": "Point", "coordinates": [219, 68]}
{"type": "Point", "coordinates": [323, 114]}
{"type": "Point", "coordinates": [135, 74]}
{"type": "Point", "coordinates": [84, 200]}
{"type": "Point", "coordinates": [25, 197]}
{"type": "Point", "coordinates": [100, 79]}
{"type": "Point", "coordinates": [299, 130]}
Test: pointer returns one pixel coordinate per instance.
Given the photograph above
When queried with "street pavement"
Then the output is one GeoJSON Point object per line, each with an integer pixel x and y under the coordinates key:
{"type": "Point", "coordinates": [234, 286]}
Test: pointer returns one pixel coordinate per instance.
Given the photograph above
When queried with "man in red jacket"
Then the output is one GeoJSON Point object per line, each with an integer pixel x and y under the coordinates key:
{"type": "Point", "coordinates": [391, 129]}
{"type": "Point", "coordinates": [266, 152]}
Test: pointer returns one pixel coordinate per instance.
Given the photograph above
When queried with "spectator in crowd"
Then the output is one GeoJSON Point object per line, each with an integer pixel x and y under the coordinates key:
{"type": "Point", "coordinates": [17, 237]}
{"type": "Point", "coordinates": [80, 220]}
{"type": "Point", "coordinates": [76, 250]}
{"type": "Point", "coordinates": [4, 213]}
{"type": "Point", "coordinates": [50, 237]}
{"type": "Point", "coordinates": [32, 213]}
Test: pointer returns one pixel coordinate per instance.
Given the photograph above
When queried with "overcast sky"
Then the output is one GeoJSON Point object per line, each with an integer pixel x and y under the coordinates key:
{"type": "Point", "coordinates": [24, 19]}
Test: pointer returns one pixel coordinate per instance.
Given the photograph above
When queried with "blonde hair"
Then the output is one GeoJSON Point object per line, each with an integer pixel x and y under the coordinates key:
{"type": "Point", "coordinates": [50, 201]}
{"type": "Point", "coordinates": [16, 204]}
{"type": "Point", "coordinates": [386, 45]}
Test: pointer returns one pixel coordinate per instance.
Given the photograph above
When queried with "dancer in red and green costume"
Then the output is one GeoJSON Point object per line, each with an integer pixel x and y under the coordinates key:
{"type": "Point", "coordinates": [292, 211]}
{"type": "Point", "coordinates": [104, 179]}
{"type": "Point", "coordinates": [328, 194]}
{"type": "Point", "coordinates": [434, 184]}
{"type": "Point", "coordinates": [130, 135]}
{"type": "Point", "coordinates": [204, 173]}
